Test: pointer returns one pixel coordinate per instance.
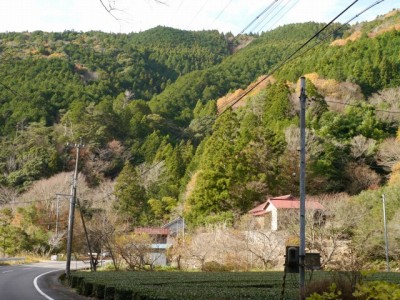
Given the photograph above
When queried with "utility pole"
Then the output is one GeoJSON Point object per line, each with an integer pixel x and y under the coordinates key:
{"type": "Point", "coordinates": [72, 211]}
{"type": "Point", "coordinates": [57, 213]}
{"type": "Point", "coordinates": [386, 235]}
{"type": "Point", "coordinates": [58, 208]}
{"type": "Point", "coordinates": [302, 250]}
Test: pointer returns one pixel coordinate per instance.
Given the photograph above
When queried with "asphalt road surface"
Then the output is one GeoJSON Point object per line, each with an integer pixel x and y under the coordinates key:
{"type": "Point", "coordinates": [37, 281]}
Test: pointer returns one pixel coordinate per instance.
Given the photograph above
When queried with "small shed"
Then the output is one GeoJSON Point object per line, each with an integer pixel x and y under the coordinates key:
{"type": "Point", "coordinates": [268, 213]}
{"type": "Point", "coordinates": [176, 227]}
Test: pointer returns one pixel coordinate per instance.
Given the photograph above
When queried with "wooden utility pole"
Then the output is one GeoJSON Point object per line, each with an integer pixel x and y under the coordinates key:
{"type": "Point", "coordinates": [72, 211]}
{"type": "Point", "coordinates": [302, 250]}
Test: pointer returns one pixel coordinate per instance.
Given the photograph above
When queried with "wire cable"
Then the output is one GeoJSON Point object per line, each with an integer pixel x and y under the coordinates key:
{"type": "Point", "coordinates": [273, 8]}
{"type": "Point", "coordinates": [325, 37]}
{"type": "Point", "coordinates": [198, 12]}
{"type": "Point", "coordinates": [356, 105]}
{"type": "Point", "coordinates": [221, 12]}
{"type": "Point", "coordinates": [280, 65]}
{"type": "Point", "coordinates": [280, 18]}
{"type": "Point", "coordinates": [270, 19]}
{"type": "Point", "coordinates": [258, 16]}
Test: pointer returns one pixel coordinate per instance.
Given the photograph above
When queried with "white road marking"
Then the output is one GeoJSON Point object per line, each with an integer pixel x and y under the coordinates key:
{"type": "Point", "coordinates": [37, 287]}
{"type": "Point", "coordinates": [8, 271]}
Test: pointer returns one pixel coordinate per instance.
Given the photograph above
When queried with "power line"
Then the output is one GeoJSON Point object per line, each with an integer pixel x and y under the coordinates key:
{"type": "Point", "coordinates": [325, 37]}
{"type": "Point", "coordinates": [270, 19]}
{"type": "Point", "coordinates": [280, 65]}
{"type": "Point", "coordinates": [258, 16]}
{"type": "Point", "coordinates": [222, 11]}
{"type": "Point", "coordinates": [356, 105]}
{"type": "Point", "coordinates": [198, 12]}
{"type": "Point", "coordinates": [180, 4]}
{"type": "Point", "coordinates": [280, 18]}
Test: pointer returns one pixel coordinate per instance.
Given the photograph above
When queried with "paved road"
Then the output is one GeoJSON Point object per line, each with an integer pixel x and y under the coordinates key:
{"type": "Point", "coordinates": [37, 281]}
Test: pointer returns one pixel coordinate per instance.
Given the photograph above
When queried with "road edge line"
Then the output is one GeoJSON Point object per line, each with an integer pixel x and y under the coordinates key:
{"type": "Point", "coordinates": [37, 286]}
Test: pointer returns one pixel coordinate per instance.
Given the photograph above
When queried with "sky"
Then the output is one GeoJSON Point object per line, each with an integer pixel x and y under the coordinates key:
{"type": "Point", "coordinates": [139, 15]}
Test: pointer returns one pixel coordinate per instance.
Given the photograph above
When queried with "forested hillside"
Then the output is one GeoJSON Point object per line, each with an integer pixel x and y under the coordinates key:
{"type": "Point", "coordinates": [145, 106]}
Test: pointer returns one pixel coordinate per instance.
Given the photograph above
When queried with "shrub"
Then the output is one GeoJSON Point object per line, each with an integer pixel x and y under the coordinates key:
{"type": "Point", "coordinates": [87, 288]}
{"type": "Point", "coordinates": [329, 288]}
{"type": "Point", "coordinates": [122, 294]}
{"type": "Point", "coordinates": [98, 290]}
{"type": "Point", "coordinates": [213, 266]}
{"type": "Point", "coordinates": [377, 290]}
{"type": "Point", "coordinates": [109, 293]}
{"type": "Point", "coordinates": [331, 294]}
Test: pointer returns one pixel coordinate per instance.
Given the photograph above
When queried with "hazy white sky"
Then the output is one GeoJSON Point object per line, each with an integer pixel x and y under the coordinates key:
{"type": "Point", "coordinates": [138, 15]}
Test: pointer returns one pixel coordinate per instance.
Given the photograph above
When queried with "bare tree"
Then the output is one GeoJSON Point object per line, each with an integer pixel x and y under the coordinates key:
{"type": "Point", "coordinates": [8, 194]}
{"type": "Point", "coordinates": [104, 229]}
{"type": "Point", "coordinates": [135, 250]}
{"type": "Point", "coordinates": [389, 153]}
{"type": "Point", "coordinates": [201, 248]}
{"type": "Point", "coordinates": [361, 177]}
{"type": "Point", "coordinates": [56, 240]}
{"type": "Point", "coordinates": [362, 147]}
{"type": "Point", "coordinates": [292, 137]}
{"type": "Point", "coordinates": [150, 174]}
{"type": "Point", "coordinates": [111, 6]}
{"type": "Point", "coordinates": [266, 246]}
{"type": "Point", "coordinates": [387, 99]}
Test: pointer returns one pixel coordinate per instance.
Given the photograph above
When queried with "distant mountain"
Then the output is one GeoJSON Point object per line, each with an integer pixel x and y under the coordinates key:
{"type": "Point", "coordinates": [148, 107]}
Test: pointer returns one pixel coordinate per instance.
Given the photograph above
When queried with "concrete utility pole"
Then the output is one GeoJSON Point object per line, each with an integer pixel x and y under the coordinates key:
{"type": "Point", "coordinates": [386, 234]}
{"type": "Point", "coordinates": [302, 250]}
{"type": "Point", "coordinates": [72, 211]}
{"type": "Point", "coordinates": [58, 195]}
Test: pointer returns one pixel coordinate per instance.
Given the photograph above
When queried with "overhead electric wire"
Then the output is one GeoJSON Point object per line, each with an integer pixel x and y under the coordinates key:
{"type": "Point", "coordinates": [280, 18]}
{"type": "Point", "coordinates": [256, 18]}
{"type": "Point", "coordinates": [180, 4]}
{"type": "Point", "coordinates": [357, 105]}
{"type": "Point", "coordinates": [10, 89]}
{"type": "Point", "coordinates": [325, 37]}
{"type": "Point", "coordinates": [280, 65]}
{"type": "Point", "coordinates": [198, 12]}
{"type": "Point", "coordinates": [275, 6]}
{"type": "Point", "coordinates": [222, 11]}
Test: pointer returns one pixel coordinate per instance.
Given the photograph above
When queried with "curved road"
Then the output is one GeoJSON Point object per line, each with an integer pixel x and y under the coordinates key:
{"type": "Point", "coordinates": [37, 281]}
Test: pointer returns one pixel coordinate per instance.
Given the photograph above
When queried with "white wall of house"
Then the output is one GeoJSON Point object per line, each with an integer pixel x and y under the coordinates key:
{"type": "Point", "coordinates": [274, 219]}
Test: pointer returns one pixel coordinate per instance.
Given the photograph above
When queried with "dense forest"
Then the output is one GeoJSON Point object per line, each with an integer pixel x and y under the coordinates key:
{"type": "Point", "coordinates": [161, 137]}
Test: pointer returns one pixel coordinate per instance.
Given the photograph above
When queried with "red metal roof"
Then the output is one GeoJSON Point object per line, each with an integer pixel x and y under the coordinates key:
{"type": "Point", "coordinates": [295, 204]}
{"type": "Point", "coordinates": [283, 202]}
{"type": "Point", "coordinates": [152, 230]}
{"type": "Point", "coordinates": [285, 197]}
{"type": "Point", "coordinates": [259, 208]}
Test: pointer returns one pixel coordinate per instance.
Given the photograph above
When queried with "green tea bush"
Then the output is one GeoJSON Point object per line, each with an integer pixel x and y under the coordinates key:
{"type": "Point", "coordinates": [109, 293]}
{"type": "Point", "coordinates": [122, 294]}
{"type": "Point", "coordinates": [98, 290]}
{"type": "Point", "coordinates": [87, 288]}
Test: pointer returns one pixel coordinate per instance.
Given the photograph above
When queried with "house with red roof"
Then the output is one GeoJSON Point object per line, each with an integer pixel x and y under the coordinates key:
{"type": "Point", "coordinates": [268, 214]}
{"type": "Point", "coordinates": [159, 246]}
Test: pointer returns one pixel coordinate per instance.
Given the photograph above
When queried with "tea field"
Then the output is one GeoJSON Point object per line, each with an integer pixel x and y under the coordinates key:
{"type": "Point", "coordinates": [196, 285]}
